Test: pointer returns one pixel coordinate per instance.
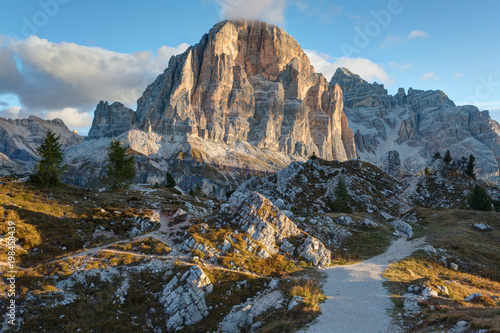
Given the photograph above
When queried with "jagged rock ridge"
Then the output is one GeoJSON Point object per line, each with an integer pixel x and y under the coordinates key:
{"type": "Point", "coordinates": [19, 139]}
{"type": "Point", "coordinates": [416, 125]}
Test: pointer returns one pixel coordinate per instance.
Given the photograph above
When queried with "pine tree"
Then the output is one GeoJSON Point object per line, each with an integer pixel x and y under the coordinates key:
{"type": "Point", "coordinates": [49, 167]}
{"type": "Point", "coordinates": [437, 156]}
{"type": "Point", "coordinates": [120, 169]}
{"type": "Point", "coordinates": [170, 180]}
{"type": "Point", "coordinates": [447, 157]}
{"type": "Point", "coordinates": [470, 167]}
{"type": "Point", "coordinates": [478, 199]}
{"type": "Point", "coordinates": [313, 156]}
{"type": "Point", "coordinates": [197, 191]}
{"type": "Point", "coordinates": [341, 205]}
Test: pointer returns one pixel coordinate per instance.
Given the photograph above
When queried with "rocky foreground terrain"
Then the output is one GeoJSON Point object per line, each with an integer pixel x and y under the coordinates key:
{"type": "Point", "coordinates": [155, 260]}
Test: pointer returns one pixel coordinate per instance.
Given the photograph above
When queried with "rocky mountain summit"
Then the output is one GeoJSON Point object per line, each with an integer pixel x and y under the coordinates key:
{"type": "Point", "coordinates": [245, 98]}
{"type": "Point", "coordinates": [402, 132]}
{"type": "Point", "coordinates": [19, 139]}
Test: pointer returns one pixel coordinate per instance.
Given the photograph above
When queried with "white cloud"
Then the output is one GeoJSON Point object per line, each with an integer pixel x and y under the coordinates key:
{"type": "Point", "coordinates": [68, 79]}
{"type": "Point", "coordinates": [11, 112]}
{"type": "Point", "coordinates": [71, 117]}
{"type": "Point", "coordinates": [365, 68]}
{"type": "Point", "coordinates": [268, 10]}
{"type": "Point", "coordinates": [391, 40]}
{"type": "Point", "coordinates": [430, 76]}
{"type": "Point", "coordinates": [400, 67]}
{"type": "Point", "coordinates": [418, 34]}
{"type": "Point", "coordinates": [458, 74]}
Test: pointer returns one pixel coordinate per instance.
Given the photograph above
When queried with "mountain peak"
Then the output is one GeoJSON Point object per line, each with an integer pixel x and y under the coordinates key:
{"type": "Point", "coordinates": [248, 81]}
{"type": "Point", "coordinates": [344, 72]}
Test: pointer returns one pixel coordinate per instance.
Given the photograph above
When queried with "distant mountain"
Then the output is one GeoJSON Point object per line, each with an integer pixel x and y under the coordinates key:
{"type": "Point", "coordinates": [402, 132]}
{"type": "Point", "coordinates": [245, 99]}
{"type": "Point", "coordinates": [19, 138]}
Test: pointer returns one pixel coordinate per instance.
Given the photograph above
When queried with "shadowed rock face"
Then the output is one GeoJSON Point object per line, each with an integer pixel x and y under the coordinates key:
{"type": "Point", "coordinates": [416, 125]}
{"type": "Point", "coordinates": [243, 82]}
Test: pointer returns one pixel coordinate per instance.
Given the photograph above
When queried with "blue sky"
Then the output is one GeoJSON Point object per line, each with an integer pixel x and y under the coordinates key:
{"type": "Point", "coordinates": [82, 52]}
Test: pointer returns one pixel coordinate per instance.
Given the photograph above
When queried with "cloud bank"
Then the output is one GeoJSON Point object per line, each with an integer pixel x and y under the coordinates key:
{"type": "Point", "coordinates": [271, 11]}
{"type": "Point", "coordinates": [67, 80]}
{"type": "Point", "coordinates": [365, 68]}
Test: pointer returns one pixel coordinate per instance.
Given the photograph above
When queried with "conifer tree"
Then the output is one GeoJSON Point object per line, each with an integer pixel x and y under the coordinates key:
{"type": "Point", "coordinates": [447, 157]}
{"type": "Point", "coordinates": [196, 191]}
{"type": "Point", "coordinates": [470, 167]}
{"type": "Point", "coordinates": [49, 167]}
{"type": "Point", "coordinates": [170, 180]}
{"type": "Point", "coordinates": [341, 204]}
{"type": "Point", "coordinates": [120, 170]}
{"type": "Point", "coordinates": [478, 199]}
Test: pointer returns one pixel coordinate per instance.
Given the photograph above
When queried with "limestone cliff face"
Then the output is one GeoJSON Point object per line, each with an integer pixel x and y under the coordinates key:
{"type": "Point", "coordinates": [416, 125]}
{"type": "Point", "coordinates": [110, 120]}
{"type": "Point", "coordinates": [251, 82]}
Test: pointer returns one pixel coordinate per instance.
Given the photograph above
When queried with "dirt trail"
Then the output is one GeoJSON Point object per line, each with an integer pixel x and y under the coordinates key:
{"type": "Point", "coordinates": [160, 234]}
{"type": "Point", "coordinates": [357, 300]}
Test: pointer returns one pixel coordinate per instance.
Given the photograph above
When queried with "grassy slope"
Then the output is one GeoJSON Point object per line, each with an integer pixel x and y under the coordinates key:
{"type": "Point", "coordinates": [478, 256]}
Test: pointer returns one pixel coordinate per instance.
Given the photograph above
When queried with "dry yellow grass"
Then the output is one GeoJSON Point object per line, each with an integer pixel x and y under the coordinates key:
{"type": "Point", "coordinates": [479, 255]}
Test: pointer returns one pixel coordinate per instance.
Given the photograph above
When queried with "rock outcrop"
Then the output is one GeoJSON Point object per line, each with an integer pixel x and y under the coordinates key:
{"type": "Point", "coordinates": [244, 99]}
{"type": "Point", "coordinates": [9, 167]}
{"type": "Point", "coordinates": [264, 223]}
{"type": "Point", "coordinates": [110, 120]}
{"type": "Point", "coordinates": [241, 316]}
{"type": "Point", "coordinates": [310, 187]}
{"type": "Point", "coordinates": [184, 298]}
{"type": "Point", "coordinates": [416, 125]}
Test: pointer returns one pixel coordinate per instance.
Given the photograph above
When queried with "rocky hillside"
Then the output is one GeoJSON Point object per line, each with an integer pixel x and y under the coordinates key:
{"type": "Point", "coordinates": [156, 261]}
{"type": "Point", "coordinates": [19, 138]}
{"type": "Point", "coordinates": [152, 259]}
{"type": "Point", "coordinates": [244, 99]}
{"type": "Point", "coordinates": [407, 129]}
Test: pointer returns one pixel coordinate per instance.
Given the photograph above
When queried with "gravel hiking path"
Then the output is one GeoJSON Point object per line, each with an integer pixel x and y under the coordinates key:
{"type": "Point", "coordinates": [357, 300]}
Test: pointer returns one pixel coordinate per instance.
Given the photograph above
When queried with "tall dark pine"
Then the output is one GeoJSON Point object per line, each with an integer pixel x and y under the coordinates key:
{"type": "Point", "coordinates": [49, 167]}
{"type": "Point", "coordinates": [341, 204]}
{"type": "Point", "coordinates": [470, 167]}
{"type": "Point", "coordinates": [447, 157]}
{"type": "Point", "coordinates": [170, 180]}
{"type": "Point", "coordinates": [120, 170]}
{"type": "Point", "coordinates": [478, 199]}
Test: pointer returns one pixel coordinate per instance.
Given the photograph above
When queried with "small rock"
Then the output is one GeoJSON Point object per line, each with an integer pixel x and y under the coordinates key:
{"type": "Point", "coordinates": [368, 224]}
{"type": "Point", "coordinates": [454, 266]}
{"type": "Point", "coordinates": [482, 227]}
{"type": "Point", "coordinates": [273, 284]}
{"type": "Point", "coordinates": [296, 300]}
{"type": "Point", "coordinates": [256, 326]}
{"type": "Point", "coordinates": [472, 296]}
{"type": "Point", "coordinates": [444, 290]}
{"type": "Point", "coordinates": [428, 292]}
